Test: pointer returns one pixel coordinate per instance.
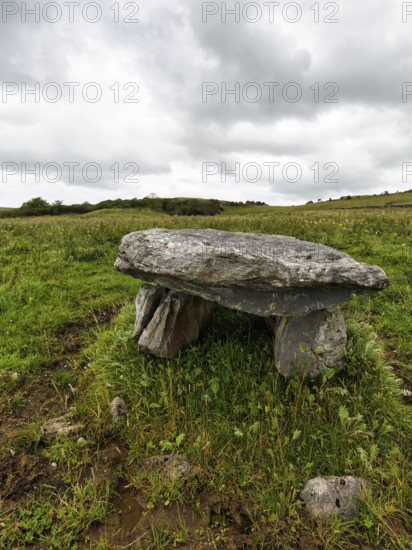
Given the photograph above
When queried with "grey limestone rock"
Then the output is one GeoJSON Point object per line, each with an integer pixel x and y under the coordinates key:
{"type": "Point", "coordinates": [147, 301]}
{"type": "Point", "coordinates": [176, 323]}
{"type": "Point", "coordinates": [118, 409]}
{"type": "Point", "coordinates": [262, 274]}
{"type": "Point", "coordinates": [331, 496]}
{"type": "Point", "coordinates": [312, 342]}
{"type": "Point", "coordinates": [61, 426]}
{"type": "Point", "coordinates": [173, 467]}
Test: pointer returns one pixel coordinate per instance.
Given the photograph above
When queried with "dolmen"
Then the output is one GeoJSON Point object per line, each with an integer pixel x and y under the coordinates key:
{"type": "Point", "coordinates": [295, 285]}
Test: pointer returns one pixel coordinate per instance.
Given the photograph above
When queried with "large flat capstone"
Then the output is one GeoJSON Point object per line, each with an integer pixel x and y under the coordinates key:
{"type": "Point", "coordinates": [265, 275]}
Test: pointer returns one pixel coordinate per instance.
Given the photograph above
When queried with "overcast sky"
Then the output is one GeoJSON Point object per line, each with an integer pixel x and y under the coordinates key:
{"type": "Point", "coordinates": [317, 109]}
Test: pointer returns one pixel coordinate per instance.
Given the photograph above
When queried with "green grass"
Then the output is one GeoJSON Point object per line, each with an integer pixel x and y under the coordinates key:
{"type": "Point", "coordinates": [253, 436]}
{"type": "Point", "coordinates": [57, 521]}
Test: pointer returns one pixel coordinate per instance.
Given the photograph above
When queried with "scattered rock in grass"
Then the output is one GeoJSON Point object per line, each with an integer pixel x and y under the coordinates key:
{"type": "Point", "coordinates": [81, 442]}
{"type": "Point", "coordinates": [118, 409]}
{"type": "Point", "coordinates": [332, 496]}
{"type": "Point", "coordinates": [173, 467]}
{"type": "Point", "coordinates": [61, 426]}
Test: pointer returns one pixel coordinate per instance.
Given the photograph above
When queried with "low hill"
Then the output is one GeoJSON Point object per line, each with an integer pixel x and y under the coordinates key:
{"type": "Point", "coordinates": [186, 206]}
{"type": "Point", "coordinates": [364, 201]}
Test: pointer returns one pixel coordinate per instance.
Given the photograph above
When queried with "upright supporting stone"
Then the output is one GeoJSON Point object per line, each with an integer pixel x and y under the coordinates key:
{"type": "Point", "coordinates": [176, 323]}
{"type": "Point", "coordinates": [147, 301]}
{"type": "Point", "coordinates": [310, 343]}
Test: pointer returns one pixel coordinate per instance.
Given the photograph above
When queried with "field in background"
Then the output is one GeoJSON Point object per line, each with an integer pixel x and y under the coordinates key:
{"type": "Point", "coordinates": [253, 438]}
{"type": "Point", "coordinates": [355, 201]}
{"type": "Point", "coordinates": [186, 206]}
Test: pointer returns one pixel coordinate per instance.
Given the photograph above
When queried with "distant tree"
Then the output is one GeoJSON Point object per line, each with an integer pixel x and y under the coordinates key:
{"type": "Point", "coordinates": [36, 202]}
{"type": "Point", "coordinates": [309, 202]}
{"type": "Point", "coordinates": [319, 200]}
{"type": "Point", "coordinates": [192, 207]}
{"type": "Point", "coordinates": [57, 207]}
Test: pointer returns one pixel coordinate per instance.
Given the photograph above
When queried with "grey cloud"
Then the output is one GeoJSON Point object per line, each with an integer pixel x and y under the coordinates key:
{"type": "Point", "coordinates": [170, 53]}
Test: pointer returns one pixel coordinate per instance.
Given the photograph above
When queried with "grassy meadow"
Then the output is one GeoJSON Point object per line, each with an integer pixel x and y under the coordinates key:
{"type": "Point", "coordinates": [252, 438]}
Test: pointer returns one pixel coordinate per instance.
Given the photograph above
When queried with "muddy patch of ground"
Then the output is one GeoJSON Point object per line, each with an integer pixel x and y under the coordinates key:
{"type": "Point", "coordinates": [69, 336]}
{"type": "Point", "coordinates": [213, 523]}
{"type": "Point", "coordinates": [30, 399]}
